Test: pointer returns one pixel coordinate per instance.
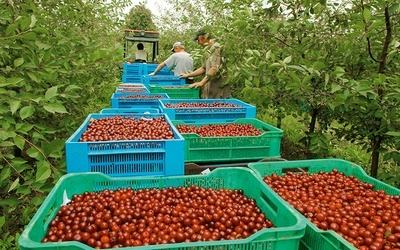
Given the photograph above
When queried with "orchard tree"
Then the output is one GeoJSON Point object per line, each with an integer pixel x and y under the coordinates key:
{"type": "Point", "coordinates": [140, 18]}
{"type": "Point", "coordinates": [370, 99]}
{"type": "Point", "coordinates": [58, 64]}
{"type": "Point", "coordinates": [334, 65]}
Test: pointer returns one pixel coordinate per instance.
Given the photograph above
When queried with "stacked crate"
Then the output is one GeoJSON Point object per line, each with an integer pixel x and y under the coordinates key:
{"type": "Point", "coordinates": [124, 156]}
{"type": "Point", "coordinates": [132, 72]}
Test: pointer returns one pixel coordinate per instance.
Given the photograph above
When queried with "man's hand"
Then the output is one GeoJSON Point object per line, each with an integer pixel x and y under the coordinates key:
{"type": "Point", "coordinates": [152, 74]}
{"type": "Point", "coordinates": [195, 85]}
{"type": "Point", "coordinates": [183, 75]}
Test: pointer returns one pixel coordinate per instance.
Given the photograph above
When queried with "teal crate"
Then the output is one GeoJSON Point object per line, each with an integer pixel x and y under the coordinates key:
{"type": "Point", "coordinates": [315, 238]}
{"type": "Point", "coordinates": [289, 227]}
{"type": "Point", "coordinates": [143, 100]}
{"type": "Point", "coordinates": [176, 92]}
{"type": "Point", "coordinates": [129, 111]}
{"type": "Point", "coordinates": [125, 157]}
{"type": "Point", "coordinates": [233, 148]}
{"type": "Point", "coordinates": [207, 114]}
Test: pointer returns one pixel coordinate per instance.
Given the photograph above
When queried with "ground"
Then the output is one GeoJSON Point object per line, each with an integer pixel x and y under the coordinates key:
{"type": "Point", "coordinates": [292, 151]}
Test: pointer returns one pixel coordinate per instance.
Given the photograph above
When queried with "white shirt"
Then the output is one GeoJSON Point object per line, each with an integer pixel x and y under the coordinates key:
{"type": "Point", "coordinates": [141, 54]}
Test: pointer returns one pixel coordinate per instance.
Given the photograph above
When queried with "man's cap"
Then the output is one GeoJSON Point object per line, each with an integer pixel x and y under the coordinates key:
{"type": "Point", "coordinates": [177, 44]}
{"type": "Point", "coordinates": [200, 32]}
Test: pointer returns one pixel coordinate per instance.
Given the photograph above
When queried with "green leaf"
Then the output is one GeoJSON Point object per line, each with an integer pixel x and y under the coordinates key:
{"type": "Point", "coordinates": [37, 201]}
{"type": "Point", "coordinates": [287, 59]}
{"type": "Point", "coordinates": [14, 185]}
{"type": "Point", "coordinates": [6, 144]}
{"type": "Point", "coordinates": [33, 21]}
{"type": "Point", "coordinates": [25, 23]}
{"type": "Point", "coordinates": [43, 171]}
{"type": "Point", "coordinates": [12, 80]}
{"type": "Point", "coordinates": [24, 190]}
{"type": "Point", "coordinates": [50, 93]}
{"type": "Point", "coordinates": [393, 133]}
{"type": "Point", "coordinates": [42, 45]}
{"type": "Point", "coordinates": [33, 152]}
{"type": "Point", "coordinates": [29, 36]}
{"type": "Point", "coordinates": [18, 62]}
{"type": "Point", "coordinates": [2, 221]}
{"type": "Point", "coordinates": [367, 15]}
{"type": "Point", "coordinates": [14, 106]}
{"type": "Point", "coordinates": [275, 65]}
{"type": "Point", "coordinates": [268, 55]}
{"type": "Point", "coordinates": [5, 173]}
{"type": "Point", "coordinates": [19, 142]}
{"type": "Point", "coordinates": [72, 88]}
{"type": "Point", "coordinates": [11, 28]}
{"type": "Point", "coordinates": [33, 77]}
{"type": "Point", "coordinates": [26, 112]}
{"type": "Point", "coordinates": [23, 127]}
{"type": "Point", "coordinates": [395, 7]}
{"type": "Point", "coordinates": [318, 65]}
{"type": "Point", "coordinates": [326, 79]}
{"type": "Point", "coordinates": [12, 201]}
{"type": "Point", "coordinates": [53, 148]}
{"type": "Point", "coordinates": [339, 71]}
{"type": "Point", "coordinates": [296, 67]}
{"type": "Point", "coordinates": [55, 108]}
{"type": "Point", "coordinates": [307, 78]}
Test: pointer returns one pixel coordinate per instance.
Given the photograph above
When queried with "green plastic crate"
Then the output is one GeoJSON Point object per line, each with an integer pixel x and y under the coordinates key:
{"type": "Point", "coordinates": [233, 148]}
{"type": "Point", "coordinates": [289, 227]}
{"type": "Point", "coordinates": [182, 92]}
{"type": "Point", "coordinates": [315, 238]}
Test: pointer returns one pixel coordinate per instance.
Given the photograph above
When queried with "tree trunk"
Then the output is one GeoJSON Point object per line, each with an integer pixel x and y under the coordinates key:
{"type": "Point", "coordinates": [375, 157]}
{"type": "Point", "coordinates": [382, 66]}
{"type": "Point", "coordinates": [279, 122]}
{"type": "Point", "coordinates": [313, 122]}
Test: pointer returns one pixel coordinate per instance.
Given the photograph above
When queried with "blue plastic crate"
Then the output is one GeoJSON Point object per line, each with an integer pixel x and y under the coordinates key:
{"type": "Point", "coordinates": [129, 78]}
{"type": "Point", "coordinates": [214, 114]}
{"type": "Point", "coordinates": [288, 230]}
{"type": "Point", "coordinates": [131, 90]}
{"type": "Point", "coordinates": [144, 69]}
{"type": "Point", "coordinates": [131, 85]}
{"type": "Point", "coordinates": [133, 68]}
{"type": "Point", "coordinates": [150, 67]}
{"type": "Point", "coordinates": [127, 157]}
{"type": "Point", "coordinates": [149, 100]}
{"type": "Point", "coordinates": [162, 80]}
{"type": "Point", "coordinates": [130, 111]}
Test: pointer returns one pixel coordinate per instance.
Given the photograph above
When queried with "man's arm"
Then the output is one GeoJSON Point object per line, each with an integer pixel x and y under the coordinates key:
{"type": "Point", "coordinates": [159, 67]}
{"type": "Point", "coordinates": [197, 72]}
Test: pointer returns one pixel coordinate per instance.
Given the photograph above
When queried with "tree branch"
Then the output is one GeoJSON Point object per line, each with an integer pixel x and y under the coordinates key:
{"type": "Point", "coordinates": [370, 52]}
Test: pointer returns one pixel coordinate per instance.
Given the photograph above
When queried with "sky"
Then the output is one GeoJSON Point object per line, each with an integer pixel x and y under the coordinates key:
{"type": "Point", "coordinates": [153, 5]}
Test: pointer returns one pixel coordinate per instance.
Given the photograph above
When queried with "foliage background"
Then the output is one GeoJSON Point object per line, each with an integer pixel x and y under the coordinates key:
{"type": "Point", "coordinates": [326, 72]}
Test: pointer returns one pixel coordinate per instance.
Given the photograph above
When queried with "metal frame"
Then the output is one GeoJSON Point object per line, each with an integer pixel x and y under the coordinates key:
{"type": "Point", "coordinates": [150, 37]}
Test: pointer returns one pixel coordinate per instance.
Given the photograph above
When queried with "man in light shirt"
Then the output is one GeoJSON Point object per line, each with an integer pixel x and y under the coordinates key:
{"type": "Point", "coordinates": [180, 62]}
